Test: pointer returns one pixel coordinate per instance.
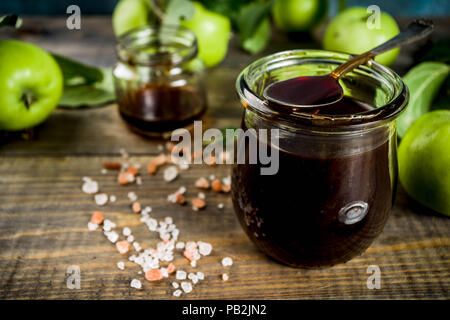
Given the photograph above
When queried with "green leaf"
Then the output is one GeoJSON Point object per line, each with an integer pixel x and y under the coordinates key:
{"type": "Point", "coordinates": [11, 20]}
{"type": "Point", "coordinates": [89, 95]}
{"type": "Point", "coordinates": [250, 16]}
{"type": "Point", "coordinates": [259, 39]}
{"type": "Point", "coordinates": [423, 82]}
{"type": "Point", "coordinates": [76, 73]}
{"type": "Point", "coordinates": [177, 10]}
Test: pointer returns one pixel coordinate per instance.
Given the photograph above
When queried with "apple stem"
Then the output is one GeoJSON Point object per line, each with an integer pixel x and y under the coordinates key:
{"type": "Point", "coordinates": [28, 98]}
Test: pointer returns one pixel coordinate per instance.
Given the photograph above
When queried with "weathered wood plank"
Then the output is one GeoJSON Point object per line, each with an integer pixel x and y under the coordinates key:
{"type": "Point", "coordinates": [43, 217]}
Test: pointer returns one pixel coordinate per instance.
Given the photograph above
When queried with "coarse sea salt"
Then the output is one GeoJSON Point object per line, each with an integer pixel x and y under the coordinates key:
{"type": "Point", "coordinates": [177, 293]}
{"type": "Point", "coordinates": [227, 261]}
{"type": "Point", "coordinates": [92, 226]}
{"type": "Point", "coordinates": [90, 186]}
{"type": "Point", "coordinates": [121, 265]}
{"type": "Point", "coordinates": [135, 283]}
{"type": "Point", "coordinates": [170, 173]}
{"type": "Point", "coordinates": [101, 199]}
{"type": "Point", "coordinates": [186, 286]}
{"type": "Point", "coordinates": [126, 231]}
{"type": "Point", "coordinates": [180, 275]}
{"type": "Point", "coordinates": [204, 248]}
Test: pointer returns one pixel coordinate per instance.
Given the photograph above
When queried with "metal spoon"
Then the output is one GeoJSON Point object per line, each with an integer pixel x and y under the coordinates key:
{"type": "Point", "coordinates": [319, 91]}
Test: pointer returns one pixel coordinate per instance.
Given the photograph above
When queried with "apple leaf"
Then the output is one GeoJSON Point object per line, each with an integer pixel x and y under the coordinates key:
{"type": "Point", "coordinates": [423, 82]}
{"type": "Point", "coordinates": [11, 20]}
{"type": "Point", "coordinates": [76, 73]}
{"type": "Point", "coordinates": [89, 95]}
{"type": "Point", "coordinates": [259, 39]}
{"type": "Point", "coordinates": [250, 16]}
{"type": "Point", "coordinates": [178, 10]}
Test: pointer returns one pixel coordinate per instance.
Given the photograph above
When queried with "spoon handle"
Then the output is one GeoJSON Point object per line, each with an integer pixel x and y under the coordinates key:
{"type": "Point", "coordinates": [415, 31]}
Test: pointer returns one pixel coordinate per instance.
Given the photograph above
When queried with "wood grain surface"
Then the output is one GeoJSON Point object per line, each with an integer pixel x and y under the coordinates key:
{"type": "Point", "coordinates": [44, 214]}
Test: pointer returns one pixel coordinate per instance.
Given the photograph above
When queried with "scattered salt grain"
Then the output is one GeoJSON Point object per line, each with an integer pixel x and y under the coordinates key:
{"type": "Point", "coordinates": [202, 183]}
{"type": "Point", "coordinates": [112, 198]}
{"type": "Point", "coordinates": [164, 272]}
{"type": "Point", "coordinates": [227, 261]}
{"type": "Point", "coordinates": [204, 248]}
{"type": "Point", "coordinates": [225, 277]}
{"type": "Point", "coordinates": [193, 277]}
{"type": "Point", "coordinates": [180, 275]}
{"type": "Point", "coordinates": [112, 236]}
{"type": "Point", "coordinates": [177, 293]}
{"type": "Point", "coordinates": [126, 231]}
{"type": "Point", "coordinates": [121, 265]}
{"type": "Point", "coordinates": [90, 186]}
{"type": "Point", "coordinates": [170, 173]}
{"type": "Point", "coordinates": [104, 171]}
{"type": "Point", "coordinates": [180, 245]}
{"type": "Point", "coordinates": [220, 206]}
{"type": "Point", "coordinates": [122, 246]}
{"type": "Point", "coordinates": [108, 225]}
{"type": "Point", "coordinates": [201, 195]}
{"type": "Point", "coordinates": [135, 283]}
{"type": "Point", "coordinates": [92, 226]}
{"type": "Point", "coordinates": [137, 246]}
{"type": "Point", "coordinates": [200, 275]}
{"type": "Point", "coordinates": [132, 196]}
{"type": "Point", "coordinates": [175, 285]}
{"type": "Point", "coordinates": [138, 181]}
{"type": "Point", "coordinates": [186, 286]}
{"type": "Point", "coordinates": [193, 263]}
{"type": "Point", "coordinates": [130, 238]}
{"type": "Point", "coordinates": [101, 199]}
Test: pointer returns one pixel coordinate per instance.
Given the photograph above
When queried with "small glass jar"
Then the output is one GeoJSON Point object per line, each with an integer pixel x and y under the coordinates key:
{"type": "Point", "coordinates": [158, 80]}
{"type": "Point", "coordinates": [337, 173]}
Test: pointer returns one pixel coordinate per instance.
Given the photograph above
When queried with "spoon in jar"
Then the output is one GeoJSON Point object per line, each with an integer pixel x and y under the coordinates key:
{"type": "Point", "coordinates": [317, 91]}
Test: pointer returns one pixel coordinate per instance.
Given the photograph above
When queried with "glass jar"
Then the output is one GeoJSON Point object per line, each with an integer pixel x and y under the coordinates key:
{"type": "Point", "coordinates": [158, 81]}
{"type": "Point", "coordinates": [337, 173]}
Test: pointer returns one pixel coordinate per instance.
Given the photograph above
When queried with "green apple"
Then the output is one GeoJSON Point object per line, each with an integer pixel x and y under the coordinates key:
{"type": "Point", "coordinates": [129, 14]}
{"type": "Point", "coordinates": [298, 15]}
{"type": "Point", "coordinates": [31, 84]}
{"type": "Point", "coordinates": [213, 33]}
{"type": "Point", "coordinates": [424, 160]}
{"type": "Point", "coordinates": [349, 32]}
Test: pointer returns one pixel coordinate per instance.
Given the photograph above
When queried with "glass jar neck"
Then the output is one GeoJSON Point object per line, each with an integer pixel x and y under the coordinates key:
{"type": "Point", "coordinates": [388, 93]}
{"type": "Point", "coordinates": [157, 46]}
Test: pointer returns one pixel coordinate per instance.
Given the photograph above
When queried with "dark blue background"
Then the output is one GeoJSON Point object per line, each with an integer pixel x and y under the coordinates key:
{"type": "Point", "coordinates": [51, 7]}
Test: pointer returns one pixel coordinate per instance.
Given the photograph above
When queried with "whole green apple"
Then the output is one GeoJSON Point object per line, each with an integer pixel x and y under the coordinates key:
{"type": "Point", "coordinates": [129, 14]}
{"type": "Point", "coordinates": [349, 32]}
{"type": "Point", "coordinates": [213, 33]}
{"type": "Point", "coordinates": [424, 160]}
{"type": "Point", "coordinates": [31, 84]}
{"type": "Point", "coordinates": [298, 15]}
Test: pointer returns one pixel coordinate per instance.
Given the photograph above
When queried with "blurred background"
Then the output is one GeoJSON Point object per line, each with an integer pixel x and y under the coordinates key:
{"type": "Point", "coordinates": [401, 8]}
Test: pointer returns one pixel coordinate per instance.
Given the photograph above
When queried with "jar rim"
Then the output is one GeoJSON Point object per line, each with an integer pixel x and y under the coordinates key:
{"type": "Point", "coordinates": [259, 105]}
{"type": "Point", "coordinates": [133, 46]}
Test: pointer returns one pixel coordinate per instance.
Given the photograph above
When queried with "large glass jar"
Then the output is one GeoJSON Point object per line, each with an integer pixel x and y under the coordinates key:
{"type": "Point", "coordinates": [337, 173]}
{"type": "Point", "coordinates": [158, 84]}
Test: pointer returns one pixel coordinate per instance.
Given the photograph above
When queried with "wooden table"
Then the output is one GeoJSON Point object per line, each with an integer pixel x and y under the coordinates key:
{"type": "Point", "coordinates": [44, 214]}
